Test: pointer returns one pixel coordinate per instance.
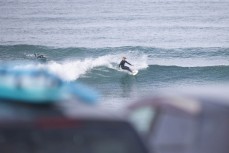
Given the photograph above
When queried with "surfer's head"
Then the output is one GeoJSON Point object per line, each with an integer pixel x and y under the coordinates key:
{"type": "Point", "coordinates": [123, 58]}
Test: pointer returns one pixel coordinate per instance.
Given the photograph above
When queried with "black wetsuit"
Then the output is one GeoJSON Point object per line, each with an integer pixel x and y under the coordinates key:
{"type": "Point", "coordinates": [122, 64]}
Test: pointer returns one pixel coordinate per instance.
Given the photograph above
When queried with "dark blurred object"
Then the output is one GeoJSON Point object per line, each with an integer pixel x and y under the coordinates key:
{"type": "Point", "coordinates": [39, 115]}
{"type": "Point", "coordinates": [65, 127]}
{"type": "Point", "coordinates": [183, 123]}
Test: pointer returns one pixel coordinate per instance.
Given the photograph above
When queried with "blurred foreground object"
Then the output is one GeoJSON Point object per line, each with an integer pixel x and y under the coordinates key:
{"type": "Point", "coordinates": [183, 123]}
{"type": "Point", "coordinates": [37, 116]}
{"type": "Point", "coordinates": [65, 128]}
{"type": "Point", "coordinates": [40, 86]}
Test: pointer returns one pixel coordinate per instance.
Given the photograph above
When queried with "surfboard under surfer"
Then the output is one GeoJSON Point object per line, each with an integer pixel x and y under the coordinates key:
{"type": "Point", "coordinates": [122, 65]}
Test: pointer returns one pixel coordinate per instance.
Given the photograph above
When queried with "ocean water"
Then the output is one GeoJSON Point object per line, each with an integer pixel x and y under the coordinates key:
{"type": "Point", "coordinates": [173, 43]}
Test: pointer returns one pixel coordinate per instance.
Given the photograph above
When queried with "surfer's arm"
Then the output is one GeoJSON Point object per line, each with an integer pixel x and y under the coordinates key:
{"type": "Point", "coordinates": [128, 63]}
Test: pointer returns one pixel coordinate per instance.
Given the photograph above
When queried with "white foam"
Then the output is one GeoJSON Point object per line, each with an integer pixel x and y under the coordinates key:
{"type": "Point", "coordinates": [70, 70]}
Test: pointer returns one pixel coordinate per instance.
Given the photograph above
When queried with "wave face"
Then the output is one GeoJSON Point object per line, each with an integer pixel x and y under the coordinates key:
{"type": "Point", "coordinates": [98, 67]}
{"type": "Point", "coordinates": [74, 63]}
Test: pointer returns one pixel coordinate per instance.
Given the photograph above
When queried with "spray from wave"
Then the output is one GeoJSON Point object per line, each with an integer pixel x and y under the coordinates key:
{"type": "Point", "coordinates": [71, 70]}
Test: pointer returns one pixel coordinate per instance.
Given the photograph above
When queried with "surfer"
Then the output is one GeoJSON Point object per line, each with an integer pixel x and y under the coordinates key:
{"type": "Point", "coordinates": [39, 56]}
{"type": "Point", "coordinates": [122, 64]}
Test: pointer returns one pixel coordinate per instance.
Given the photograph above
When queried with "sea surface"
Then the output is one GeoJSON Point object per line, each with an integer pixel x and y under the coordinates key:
{"type": "Point", "coordinates": [173, 43]}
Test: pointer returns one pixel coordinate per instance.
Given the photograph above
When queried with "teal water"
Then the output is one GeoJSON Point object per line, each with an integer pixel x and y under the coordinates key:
{"type": "Point", "coordinates": [109, 23]}
{"type": "Point", "coordinates": [98, 67]}
{"type": "Point", "coordinates": [173, 44]}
